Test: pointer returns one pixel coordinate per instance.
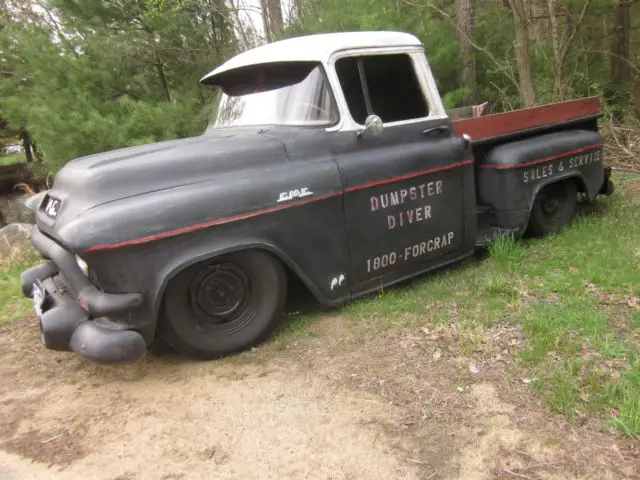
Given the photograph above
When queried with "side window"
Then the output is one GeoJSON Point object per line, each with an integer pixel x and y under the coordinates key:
{"type": "Point", "coordinates": [383, 85]}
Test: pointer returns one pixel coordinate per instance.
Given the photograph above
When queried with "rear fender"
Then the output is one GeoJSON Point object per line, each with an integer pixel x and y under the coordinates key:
{"type": "Point", "coordinates": [574, 176]}
{"type": "Point", "coordinates": [510, 176]}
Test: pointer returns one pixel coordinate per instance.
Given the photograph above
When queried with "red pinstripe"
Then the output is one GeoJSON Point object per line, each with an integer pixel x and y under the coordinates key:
{"type": "Point", "coordinates": [407, 175]}
{"type": "Point", "coordinates": [275, 208]}
{"type": "Point", "coordinates": [211, 223]}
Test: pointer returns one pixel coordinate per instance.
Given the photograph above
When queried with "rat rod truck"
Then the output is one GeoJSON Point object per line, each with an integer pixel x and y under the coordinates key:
{"type": "Point", "coordinates": [331, 159]}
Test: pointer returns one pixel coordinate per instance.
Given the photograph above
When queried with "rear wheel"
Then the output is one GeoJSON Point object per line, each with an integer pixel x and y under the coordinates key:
{"type": "Point", "coordinates": [554, 207]}
{"type": "Point", "coordinates": [223, 305]}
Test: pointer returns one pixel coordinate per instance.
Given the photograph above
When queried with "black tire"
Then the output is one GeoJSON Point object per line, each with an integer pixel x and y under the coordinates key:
{"type": "Point", "coordinates": [223, 305]}
{"type": "Point", "coordinates": [554, 208]}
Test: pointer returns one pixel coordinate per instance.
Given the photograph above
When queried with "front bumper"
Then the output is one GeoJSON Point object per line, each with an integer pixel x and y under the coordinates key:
{"type": "Point", "coordinates": [70, 305]}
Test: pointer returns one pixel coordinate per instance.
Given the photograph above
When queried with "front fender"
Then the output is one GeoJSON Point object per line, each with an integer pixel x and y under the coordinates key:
{"type": "Point", "coordinates": [202, 253]}
{"type": "Point", "coordinates": [229, 198]}
{"type": "Point", "coordinates": [148, 268]}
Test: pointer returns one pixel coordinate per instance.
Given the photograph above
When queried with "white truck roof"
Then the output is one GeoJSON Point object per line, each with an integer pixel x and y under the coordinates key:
{"type": "Point", "coordinates": [314, 48]}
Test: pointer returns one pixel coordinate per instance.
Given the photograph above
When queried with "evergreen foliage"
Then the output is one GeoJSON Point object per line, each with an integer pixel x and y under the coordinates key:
{"type": "Point", "coordinates": [82, 76]}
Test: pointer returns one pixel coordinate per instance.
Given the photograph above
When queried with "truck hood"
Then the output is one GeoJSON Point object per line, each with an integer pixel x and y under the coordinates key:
{"type": "Point", "coordinates": [90, 181]}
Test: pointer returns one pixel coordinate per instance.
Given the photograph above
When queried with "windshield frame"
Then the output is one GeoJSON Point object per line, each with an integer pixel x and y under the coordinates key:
{"type": "Point", "coordinates": [332, 98]}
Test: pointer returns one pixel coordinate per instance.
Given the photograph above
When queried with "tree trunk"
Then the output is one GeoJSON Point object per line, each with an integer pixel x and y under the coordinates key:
{"type": "Point", "coordinates": [557, 48]}
{"type": "Point", "coordinates": [620, 71]}
{"type": "Point", "coordinates": [563, 34]}
{"type": "Point", "coordinates": [221, 26]}
{"type": "Point", "coordinates": [275, 19]}
{"type": "Point", "coordinates": [522, 53]}
{"type": "Point", "coordinates": [466, 20]}
{"type": "Point", "coordinates": [215, 43]}
{"type": "Point", "coordinates": [538, 19]}
{"type": "Point", "coordinates": [26, 144]}
{"type": "Point", "coordinates": [159, 68]}
{"type": "Point", "coordinates": [243, 41]}
{"type": "Point", "coordinates": [36, 152]}
{"type": "Point", "coordinates": [619, 58]}
{"type": "Point", "coordinates": [264, 8]}
{"type": "Point", "coordinates": [163, 80]}
{"type": "Point", "coordinates": [297, 9]}
{"type": "Point", "coordinates": [272, 19]}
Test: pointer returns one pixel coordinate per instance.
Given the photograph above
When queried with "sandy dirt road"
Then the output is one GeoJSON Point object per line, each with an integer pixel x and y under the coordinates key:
{"type": "Point", "coordinates": [332, 403]}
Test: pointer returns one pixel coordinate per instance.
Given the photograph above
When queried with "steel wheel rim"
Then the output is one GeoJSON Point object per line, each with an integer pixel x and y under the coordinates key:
{"type": "Point", "coordinates": [220, 296]}
{"type": "Point", "coordinates": [550, 203]}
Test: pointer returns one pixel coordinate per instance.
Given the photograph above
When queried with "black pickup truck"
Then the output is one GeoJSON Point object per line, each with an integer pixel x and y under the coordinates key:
{"type": "Point", "coordinates": [331, 159]}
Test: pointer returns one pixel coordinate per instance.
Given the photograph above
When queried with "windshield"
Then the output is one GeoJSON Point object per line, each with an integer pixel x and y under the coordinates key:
{"type": "Point", "coordinates": [275, 94]}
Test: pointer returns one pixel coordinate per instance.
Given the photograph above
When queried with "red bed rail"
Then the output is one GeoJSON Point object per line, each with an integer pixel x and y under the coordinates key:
{"type": "Point", "coordinates": [510, 122]}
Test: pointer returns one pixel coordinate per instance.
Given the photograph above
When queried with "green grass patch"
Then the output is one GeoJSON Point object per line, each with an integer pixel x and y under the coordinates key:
{"type": "Point", "coordinates": [12, 158]}
{"type": "Point", "coordinates": [626, 395]}
{"type": "Point", "coordinates": [38, 170]}
{"type": "Point", "coordinates": [574, 295]}
{"type": "Point", "coordinates": [13, 305]}
{"type": "Point", "coordinates": [506, 251]}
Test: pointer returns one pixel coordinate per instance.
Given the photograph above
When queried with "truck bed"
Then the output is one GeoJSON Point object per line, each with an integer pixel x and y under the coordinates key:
{"type": "Point", "coordinates": [500, 125]}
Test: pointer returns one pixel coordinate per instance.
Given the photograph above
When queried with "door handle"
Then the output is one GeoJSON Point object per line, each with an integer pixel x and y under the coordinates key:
{"type": "Point", "coordinates": [442, 129]}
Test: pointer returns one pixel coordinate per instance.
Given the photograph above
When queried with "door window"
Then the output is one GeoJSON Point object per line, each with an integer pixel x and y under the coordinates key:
{"type": "Point", "coordinates": [383, 85]}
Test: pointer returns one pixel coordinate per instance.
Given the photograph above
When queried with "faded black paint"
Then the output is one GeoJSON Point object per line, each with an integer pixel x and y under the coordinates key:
{"type": "Point", "coordinates": [140, 215]}
{"type": "Point", "coordinates": [510, 175]}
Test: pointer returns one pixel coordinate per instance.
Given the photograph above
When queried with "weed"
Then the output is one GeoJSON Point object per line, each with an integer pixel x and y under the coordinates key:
{"type": "Point", "coordinates": [506, 251]}
{"type": "Point", "coordinates": [13, 305]}
{"type": "Point", "coordinates": [12, 158]}
{"type": "Point", "coordinates": [626, 393]}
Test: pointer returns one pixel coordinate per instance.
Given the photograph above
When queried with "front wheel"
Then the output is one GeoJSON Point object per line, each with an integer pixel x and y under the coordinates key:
{"type": "Point", "coordinates": [554, 207]}
{"type": "Point", "coordinates": [223, 305]}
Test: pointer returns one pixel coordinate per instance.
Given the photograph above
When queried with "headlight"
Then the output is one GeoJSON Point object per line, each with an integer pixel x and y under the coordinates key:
{"type": "Point", "coordinates": [83, 265]}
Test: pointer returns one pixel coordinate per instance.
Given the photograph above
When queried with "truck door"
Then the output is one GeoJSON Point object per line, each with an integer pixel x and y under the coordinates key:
{"type": "Point", "coordinates": [408, 192]}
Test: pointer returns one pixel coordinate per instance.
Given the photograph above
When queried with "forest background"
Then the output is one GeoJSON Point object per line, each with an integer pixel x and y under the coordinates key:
{"type": "Point", "coordinates": [82, 76]}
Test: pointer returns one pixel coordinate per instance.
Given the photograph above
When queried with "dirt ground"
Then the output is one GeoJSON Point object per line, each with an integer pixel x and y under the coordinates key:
{"type": "Point", "coordinates": [332, 402]}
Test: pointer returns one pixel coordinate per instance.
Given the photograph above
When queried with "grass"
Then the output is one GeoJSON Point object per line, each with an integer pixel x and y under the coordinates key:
{"type": "Point", "coordinates": [12, 158]}
{"type": "Point", "coordinates": [575, 295]}
{"type": "Point", "coordinates": [38, 170]}
{"type": "Point", "coordinates": [13, 305]}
